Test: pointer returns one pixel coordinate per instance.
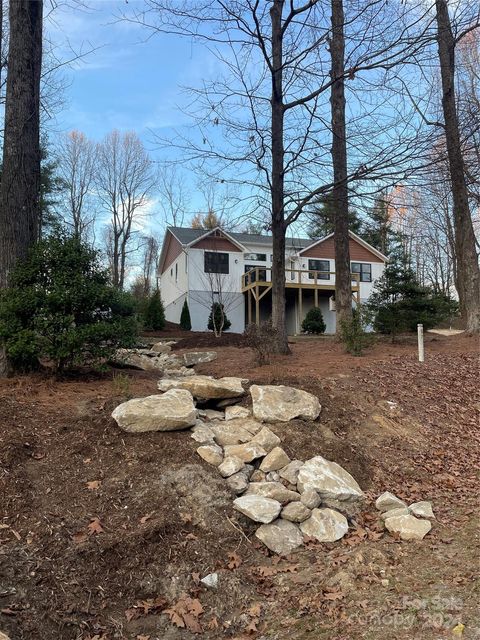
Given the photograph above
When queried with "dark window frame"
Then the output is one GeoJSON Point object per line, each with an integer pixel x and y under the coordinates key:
{"type": "Point", "coordinates": [216, 262]}
{"type": "Point", "coordinates": [322, 274]}
{"type": "Point", "coordinates": [364, 270]}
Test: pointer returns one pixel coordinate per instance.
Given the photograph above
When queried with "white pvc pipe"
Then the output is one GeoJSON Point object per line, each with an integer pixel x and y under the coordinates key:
{"type": "Point", "coordinates": [421, 350]}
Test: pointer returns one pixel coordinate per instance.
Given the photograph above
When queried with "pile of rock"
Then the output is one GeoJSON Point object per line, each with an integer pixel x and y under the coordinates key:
{"type": "Point", "coordinates": [289, 499]}
{"type": "Point", "coordinates": [159, 358]}
{"type": "Point", "coordinates": [409, 522]}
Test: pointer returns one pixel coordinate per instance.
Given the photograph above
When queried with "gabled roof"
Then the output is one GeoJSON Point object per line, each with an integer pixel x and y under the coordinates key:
{"type": "Point", "coordinates": [354, 236]}
{"type": "Point", "coordinates": [187, 236]}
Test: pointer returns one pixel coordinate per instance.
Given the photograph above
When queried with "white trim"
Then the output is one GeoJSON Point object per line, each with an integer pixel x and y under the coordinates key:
{"type": "Point", "coordinates": [354, 236]}
{"type": "Point", "coordinates": [208, 232]}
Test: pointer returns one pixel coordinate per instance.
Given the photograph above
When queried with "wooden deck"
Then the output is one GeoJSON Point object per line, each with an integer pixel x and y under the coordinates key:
{"type": "Point", "coordinates": [257, 282]}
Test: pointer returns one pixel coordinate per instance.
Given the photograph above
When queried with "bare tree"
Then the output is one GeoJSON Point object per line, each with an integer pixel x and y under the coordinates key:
{"type": "Point", "coordinates": [76, 168]}
{"type": "Point", "coordinates": [467, 268]}
{"type": "Point", "coordinates": [124, 181]}
{"type": "Point", "coordinates": [173, 196]}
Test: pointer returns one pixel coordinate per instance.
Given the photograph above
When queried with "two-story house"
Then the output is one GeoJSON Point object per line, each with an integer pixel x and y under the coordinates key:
{"type": "Point", "coordinates": [201, 265]}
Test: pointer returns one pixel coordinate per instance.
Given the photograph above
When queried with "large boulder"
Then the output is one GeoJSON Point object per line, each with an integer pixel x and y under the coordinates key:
{"type": "Point", "coordinates": [206, 387]}
{"type": "Point", "coordinates": [290, 471]}
{"type": "Point", "coordinates": [140, 359]}
{"type": "Point", "coordinates": [163, 347]}
{"type": "Point", "coordinates": [211, 453]}
{"type": "Point", "coordinates": [246, 452]}
{"type": "Point", "coordinates": [281, 536]}
{"type": "Point", "coordinates": [230, 432]}
{"type": "Point", "coordinates": [170, 411]}
{"type": "Point", "coordinates": [258, 508]}
{"type": "Point", "coordinates": [273, 403]}
{"type": "Point", "coordinates": [295, 512]}
{"type": "Point", "coordinates": [197, 357]}
{"type": "Point", "coordinates": [328, 479]}
{"type": "Point", "coordinates": [266, 439]}
{"type": "Point", "coordinates": [408, 527]}
{"type": "Point", "coordinates": [326, 525]}
{"type": "Point", "coordinates": [236, 411]}
{"type": "Point", "coordinates": [422, 509]}
{"type": "Point", "coordinates": [275, 460]}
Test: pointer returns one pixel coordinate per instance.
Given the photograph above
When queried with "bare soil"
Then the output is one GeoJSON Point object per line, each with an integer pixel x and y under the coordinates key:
{"type": "Point", "coordinates": [104, 535]}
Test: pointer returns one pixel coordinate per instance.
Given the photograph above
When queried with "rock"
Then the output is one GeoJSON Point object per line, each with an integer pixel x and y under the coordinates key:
{"type": "Point", "coordinates": [230, 432]}
{"type": "Point", "coordinates": [326, 525]}
{"type": "Point", "coordinates": [246, 452]}
{"type": "Point", "coordinates": [310, 498]}
{"type": "Point", "coordinates": [295, 512]}
{"type": "Point", "coordinates": [197, 357]}
{"type": "Point", "coordinates": [236, 411]}
{"type": "Point", "coordinates": [281, 536]}
{"type": "Point", "coordinates": [202, 434]}
{"type": "Point", "coordinates": [266, 439]}
{"type": "Point", "coordinates": [401, 511]}
{"type": "Point", "coordinates": [230, 465]}
{"type": "Point", "coordinates": [210, 580]}
{"type": "Point", "coordinates": [211, 453]}
{"type": "Point", "coordinates": [138, 360]}
{"type": "Point", "coordinates": [422, 509]}
{"type": "Point", "coordinates": [238, 482]}
{"type": "Point", "coordinates": [249, 424]}
{"type": "Point", "coordinates": [211, 414]}
{"type": "Point", "coordinates": [178, 373]}
{"type": "Point", "coordinates": [273, 403]}
{"type": "Point", "coordinates": [274, 490]}
{"type": "Point", "coordinates": [167, 412]}
{"type": "Point", "coordinates": [3, 636]}
{"type": "Point", "coordinates": [258, 508]}
{"type": "Point", "coordinates": [258, 476]}
{"type": "Point", "coordinates": [290, 471]}
{"type": "Point", "coordinates": [276, 459]}
{"type": "Point", "coordinates": [162, 347]}
{"type": "Point", "coordinates": [408, 527]}
{"type": "Point", "coordinates": [272, 476]}
{"type": "Point", "coordinates": [329, 479]}
{"type": "Point", "coordinates": [205, 387]}
{"type": "Point", "coordinates": [388, 501]}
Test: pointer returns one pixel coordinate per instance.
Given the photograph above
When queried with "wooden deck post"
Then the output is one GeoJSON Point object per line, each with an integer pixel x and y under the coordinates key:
{"type": "Point", "coordinates": [249, 303]}
{"type": "Point", "coordinates": [257, 306]}
{"type": "Point", "coordinates": [300, 308]}
{"type": "Point", "coordinates": [315, 295]}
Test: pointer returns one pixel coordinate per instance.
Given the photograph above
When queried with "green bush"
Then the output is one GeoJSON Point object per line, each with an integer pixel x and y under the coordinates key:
{"type": "Point", "coordinates": [217, 320]}
{"type": "Point", "coordinates": [398, 302]}
{"type": "Point", "coordinates": [154, 314]}
{"type": "Point", "coordinates": [60, 306]}
{"type": "Point", "coordinates": [185, 321]}
{"type": "Point", "coordinates": [313, 322]}
{"type": "Point", "coordinates": [353, 333]}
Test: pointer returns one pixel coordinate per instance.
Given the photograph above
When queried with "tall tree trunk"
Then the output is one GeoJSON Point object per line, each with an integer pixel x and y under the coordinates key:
{"type": "Point", "coordinates": [277, 186]}
{"type": "Point", "coordinates": [20, 182]}
{"type": "Point", "coordinates": [343, 283]}
{"type": "Point", "coordinates": [467, 268]}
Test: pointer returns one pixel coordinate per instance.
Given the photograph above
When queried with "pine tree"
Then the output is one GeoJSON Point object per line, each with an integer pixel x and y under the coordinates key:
{"type": "Point", "coordinates": [185, 320]}
{"type": "Point", "coordinates": [313, 322]}
{"type": "Point", "coordinates": [398, 302]}
{"type": "Point", "coordinates": [378, 231]}
{"type": "Point", "coordinates": [154, 317]}
{"type": "Point", "coordinates": [322, 216]}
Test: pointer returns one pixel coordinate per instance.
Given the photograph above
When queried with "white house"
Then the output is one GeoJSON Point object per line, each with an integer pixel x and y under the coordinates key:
{"type": "Point", "coordinates": [202, 266]}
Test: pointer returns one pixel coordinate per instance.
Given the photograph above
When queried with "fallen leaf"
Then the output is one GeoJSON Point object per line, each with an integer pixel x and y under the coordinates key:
{"type": "Point", "coordinates": [175, 618]}
{"type": "Point", "coordinates": [79, 537]}
{"type": "Point", "coordinates": [143, 637]}
{"type": "Point", "coordinates": [255, 610]}
{"type": "Point", "coordinates": [234, 560]}
{"type": "Point", "coordinates": [144, 519]}
{"type": "Point", "coordinates": [95, 527]}
{"type": "Point", "coordinates": [93, 484]}
{"type": "Point", "coordinates": [37, 455]}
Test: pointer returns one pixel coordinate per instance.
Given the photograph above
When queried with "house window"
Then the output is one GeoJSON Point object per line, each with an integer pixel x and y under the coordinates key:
{"type": "Point", "coordinates": [256, 276]}
{"type": "Point", "coordinates": [322, 267]}
{"type": "Point", "coordinates": [216, 262]}
{"type": "Point", "coordinates": [365, 271]}
{"type": "Point", "coordinates": [258, 257]}
{"type": "Point", "coordinates": [176, 272]}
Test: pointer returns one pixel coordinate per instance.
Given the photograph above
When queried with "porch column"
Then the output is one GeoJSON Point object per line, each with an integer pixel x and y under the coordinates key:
{"type": "Point", "coordinates": [315, 295]}
{"type": "Point", "coordinates": [249, 304]}
{"type": "Point", "coordinates": [257, 306]}
{"type": "Point", "coordinates": [300, 308]}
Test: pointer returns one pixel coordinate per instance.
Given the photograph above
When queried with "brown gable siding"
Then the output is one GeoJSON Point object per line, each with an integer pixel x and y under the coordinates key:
{"type": "Point", "coordinates": [326, 249]}
{"type": "Point", "coordinates": [172, 251]}
{"type": "Point", "coordinates": [216, 242]}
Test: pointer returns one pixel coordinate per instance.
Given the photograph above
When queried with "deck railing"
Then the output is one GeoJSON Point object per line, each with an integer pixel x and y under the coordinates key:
{"type": "Point", "coordinates": [262, 276]}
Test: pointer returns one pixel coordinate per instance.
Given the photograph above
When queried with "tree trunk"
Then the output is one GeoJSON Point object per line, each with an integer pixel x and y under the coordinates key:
{"type": "Point", "coordinates": [467, 268]}
{"type": "Point", "coordinates": [343, 283]}
{"type": "Point", "coordinates": [277, 185]}
{"type": "Point", "coordinates": [20, 182]}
